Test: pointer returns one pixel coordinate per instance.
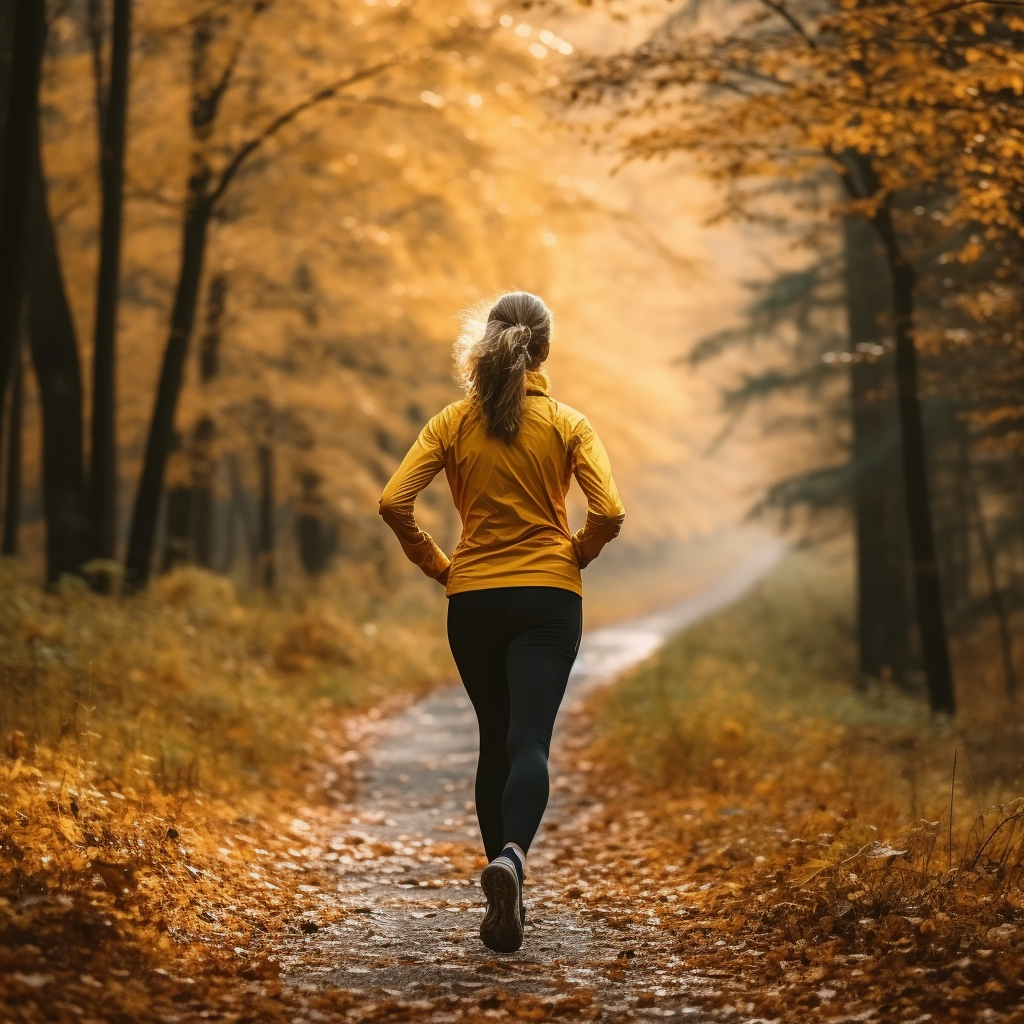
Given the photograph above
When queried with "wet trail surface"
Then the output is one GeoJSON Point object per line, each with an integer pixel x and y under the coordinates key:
{"type": "Point", "coordinates": [405, 868]}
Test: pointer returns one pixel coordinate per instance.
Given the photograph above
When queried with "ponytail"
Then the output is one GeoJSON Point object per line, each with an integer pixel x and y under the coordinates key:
{"type": "Point", "coordinates": [493, 366]}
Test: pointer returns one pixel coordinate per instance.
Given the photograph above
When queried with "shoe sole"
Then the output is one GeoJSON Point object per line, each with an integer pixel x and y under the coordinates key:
{"type": "Point", "coordinates": [501, 929]}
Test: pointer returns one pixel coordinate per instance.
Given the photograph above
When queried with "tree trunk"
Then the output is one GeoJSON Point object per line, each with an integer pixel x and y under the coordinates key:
{"type": "Point", "coordinates": [12, 492]}
{"type": "Point", "coordinates": [316, 534]}
{"type": "Point", "coordinates": [206, 93]}
{"type": "Point", "coordinates": [988, 557]}
{"type": "Point", "coordinates": [202, 455]}
{"type": "Point", "coordinates": [266, 574]}
{"type": "Point", "coordinates": [927, 589]}
{"type": "Point", "coordinates": [6, 47]}
{"type": "Point", "coordinates": [161, 430]}
{"type": "Point", "coordinates": [948, 446]}
{"type": "Point", "coordinates": [55, 357]}
{"type": "Point", "coordinates": [229, 537]}
{"type": "Point", "coordinates": [883, 626]}
{"type": "Point", "coordinates": [28, 37]}
{"type": "Point", "coordinates": [239, 512]}
{"type": "Point", "coordinates": [178, 517]}
{"type": "Point", "coordinates": [103, 468]}
{"type": "Point", "coordinates": [202, 466]}
{"type": "Point", "coordinates": [213, 334]}
{"type": "Point", "coordinates": [178, 511]}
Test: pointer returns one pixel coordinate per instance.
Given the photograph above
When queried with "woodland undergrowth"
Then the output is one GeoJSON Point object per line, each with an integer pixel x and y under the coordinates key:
{"type": "Point", "coordinates": [810, 824]}
{"type": "Point", "coordinates": [163, 758]}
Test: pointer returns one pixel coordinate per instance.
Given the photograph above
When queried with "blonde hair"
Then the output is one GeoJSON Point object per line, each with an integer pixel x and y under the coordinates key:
{"type": "Point", "coordinates": [494, 351]}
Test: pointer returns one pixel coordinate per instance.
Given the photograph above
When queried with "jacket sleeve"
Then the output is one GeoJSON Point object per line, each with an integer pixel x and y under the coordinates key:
{"type": "Point", "coordinates": [605, 513]}
{"type": "Point", "coordinates": [421, 464]}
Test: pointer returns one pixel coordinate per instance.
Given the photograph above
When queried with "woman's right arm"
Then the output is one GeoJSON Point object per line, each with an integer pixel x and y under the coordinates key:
{"type": "Point", "coordinates": [422, 463]}
{"type": "Point", "coordinates": [605, 513]}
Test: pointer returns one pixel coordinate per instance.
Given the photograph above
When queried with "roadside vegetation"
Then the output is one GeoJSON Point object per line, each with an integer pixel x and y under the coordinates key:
{"type": "Point", "coordinates": [164, 755]}
{"type": "Point", "coordinates": [802, 830]}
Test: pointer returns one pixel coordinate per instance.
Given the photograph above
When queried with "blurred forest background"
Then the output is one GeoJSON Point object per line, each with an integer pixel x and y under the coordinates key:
{"type": "Point", "coordinates": [241, 235]}
{"type": "Point", "coordinates": [298, 217]}
{"type": "Point", "coordinates": [782, 242]}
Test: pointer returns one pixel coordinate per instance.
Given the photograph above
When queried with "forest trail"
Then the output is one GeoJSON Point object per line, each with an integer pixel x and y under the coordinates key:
{"type": "Point", "coordinates": [407, 880]}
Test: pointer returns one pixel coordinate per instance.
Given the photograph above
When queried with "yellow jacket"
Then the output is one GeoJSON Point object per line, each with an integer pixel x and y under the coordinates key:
{"type": "Point", "coordinates": [511, 497]}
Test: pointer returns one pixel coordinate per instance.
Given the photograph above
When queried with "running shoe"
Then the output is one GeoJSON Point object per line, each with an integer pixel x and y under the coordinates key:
{"type": "Point", "coordinates": [502, 926]}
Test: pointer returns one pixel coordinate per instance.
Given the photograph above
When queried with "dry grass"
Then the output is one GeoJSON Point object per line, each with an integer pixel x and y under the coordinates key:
{"type": "Point", "coordinates": [193, 688]}
{"type": "Point", "coordinates": [163, 757]}
{"type": "Point", "coordinates": [813, 823]}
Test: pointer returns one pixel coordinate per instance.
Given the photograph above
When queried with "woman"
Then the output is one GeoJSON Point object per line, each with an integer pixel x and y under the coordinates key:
{"type": "Point", "coordinates": [515, 595]}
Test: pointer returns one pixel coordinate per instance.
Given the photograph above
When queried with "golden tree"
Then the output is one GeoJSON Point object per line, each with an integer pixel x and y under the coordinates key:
{"type": "Point", "coordinates": [328, 171]}
{"type": "Point", "coordinates": [883, 98]}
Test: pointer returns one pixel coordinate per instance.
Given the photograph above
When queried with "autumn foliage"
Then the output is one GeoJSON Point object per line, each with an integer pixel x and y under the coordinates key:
{"type": "Point", "coordinates": [801, 839]}
{"type": "Point", "coordinates": [235, 239]}
{"type": "Point", "coordinates": [159, 756]}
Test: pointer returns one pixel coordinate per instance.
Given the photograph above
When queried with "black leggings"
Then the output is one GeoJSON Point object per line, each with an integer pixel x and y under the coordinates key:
{"type": "Point", "coordinates": [514, 647]}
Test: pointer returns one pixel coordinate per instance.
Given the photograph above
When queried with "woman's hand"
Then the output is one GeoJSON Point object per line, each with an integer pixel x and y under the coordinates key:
{"type": "Point", "coordinates": [580, 560]}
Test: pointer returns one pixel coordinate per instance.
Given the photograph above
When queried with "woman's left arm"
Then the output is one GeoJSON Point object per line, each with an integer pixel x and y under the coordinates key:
{"type": "Point", "coordinates": [422, 463]}
{"type": "Point", "coordinates": [605, 513]}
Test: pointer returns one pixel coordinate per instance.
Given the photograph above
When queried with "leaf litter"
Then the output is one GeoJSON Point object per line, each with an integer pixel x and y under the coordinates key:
{"type": "Point", "coordinates": [732, 890]}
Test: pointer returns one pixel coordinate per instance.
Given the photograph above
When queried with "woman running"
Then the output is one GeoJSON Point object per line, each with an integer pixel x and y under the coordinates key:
{"type": "Point", "coordinates": [515, 610]}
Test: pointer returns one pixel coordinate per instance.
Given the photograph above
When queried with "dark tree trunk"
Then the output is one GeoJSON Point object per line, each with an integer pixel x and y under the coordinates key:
{"type": "Point", "coordinates": [229, 538]}
{"type": "Point", "coordinates": [103, 467]}
{"type": "Point", "coordinates": [177, 512]}
{"type": "Point", "coordinates": [190, 506]}
{"type": "Point", "coordinates": [203, 195]}
{"type": "Point", "coordinates": [161, 430]}
{"type": "Point", "coordinates": [316, 542]}
{"type": "Point", "coordinates": [203, 462]}
{"type": "Point", "coordinates": [58, 372]}
{"type": "Point", "coordinates": [948, 444]}
{"type": "Point", "coordinates": [202, 524]}
{"type": "Point", "coordinates": [266, 574]}
{"type": "Point", "coordinates": [238, 512]}
{"type": "Point", "coordinates": [213, 333]}
{"type": "Point", "coordinates": [178, 518]}
{"type": "Point", "coordinates": [201, 458]}
{"type": "Point", "coordinates": [189, 527]}
{"type": "Point", "coordinates": [316, 534]}
{"type": "Point", "coordinates": [6, 46]}
{"type": "Point", "coordinates": [206, 94]}
{"type": "Point", "coordinates": [28, 36]}
{"type": "Point", "coordinates": [12, 491]}
{"type": "Point", "coordinates": [927, 589]}
{"type": "Point", "coordinates": [883, 626]}
{"type": "Point", "coordinates": [6, 33]}
{"type": "Point", "coordinates": [988, 557]}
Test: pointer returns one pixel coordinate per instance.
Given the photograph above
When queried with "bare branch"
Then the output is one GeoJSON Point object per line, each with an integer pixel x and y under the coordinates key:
{"type": "Point", "coordinates": [213, 7]}
{"type": "Point", "coordinates": [783, 12]}
{"type": "Point", "coordinates": [285, 118]}
{"type": "Point", "coordinates": [205, 107]}
{"type": "Point", "coordinates": [135, 191]}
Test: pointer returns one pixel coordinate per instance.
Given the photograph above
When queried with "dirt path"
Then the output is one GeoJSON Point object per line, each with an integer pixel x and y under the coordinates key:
{"type": "Point", "coordinates": [405, 870]}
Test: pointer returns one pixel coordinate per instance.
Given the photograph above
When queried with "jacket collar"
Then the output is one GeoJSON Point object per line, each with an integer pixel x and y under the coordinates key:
{"type": "Point", "coordinates": [538, 383]}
